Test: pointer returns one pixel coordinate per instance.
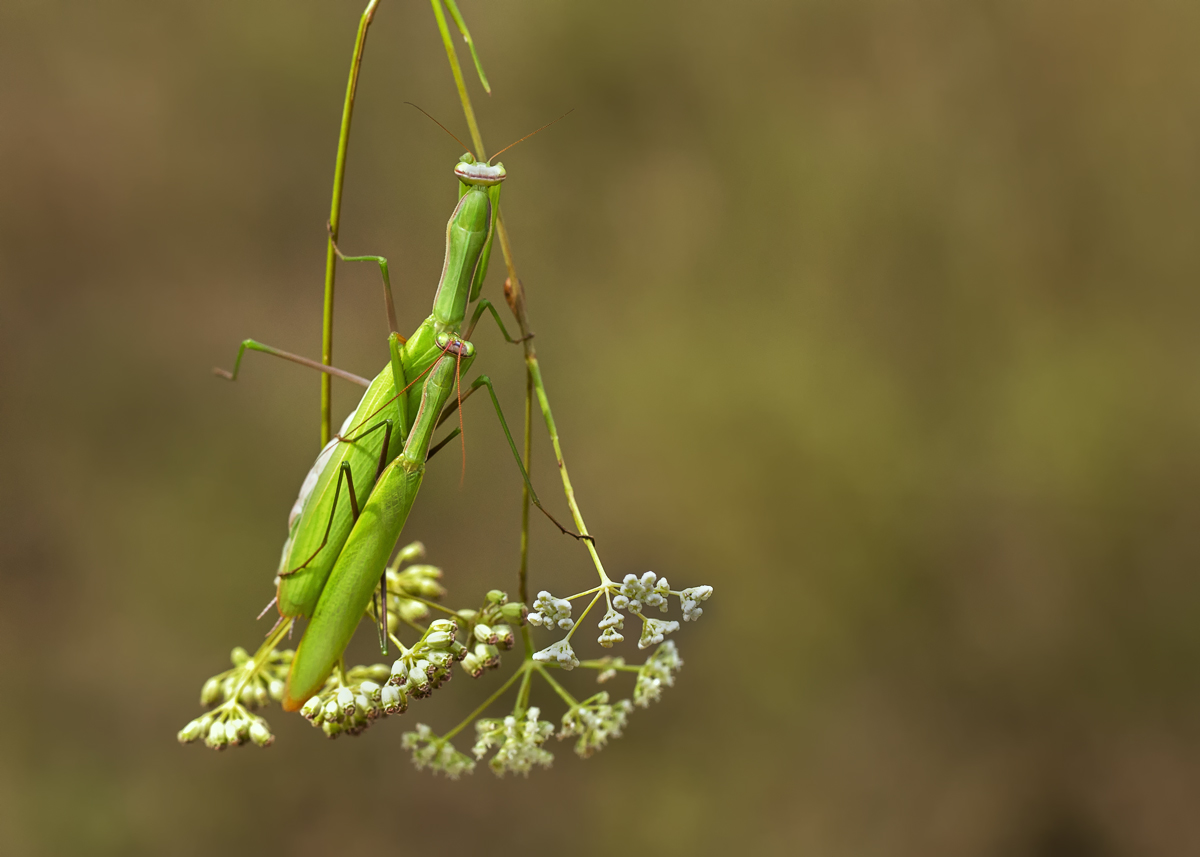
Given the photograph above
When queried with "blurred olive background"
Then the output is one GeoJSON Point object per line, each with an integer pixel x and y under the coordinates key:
{"type": "Point", "coordinates": [877, 316]}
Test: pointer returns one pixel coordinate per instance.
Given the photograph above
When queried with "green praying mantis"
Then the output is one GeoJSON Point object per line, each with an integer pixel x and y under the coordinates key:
{"type": "Point", "coordinates": [336, 552]}
{"type": "Point", "coordinates": [354, 503]}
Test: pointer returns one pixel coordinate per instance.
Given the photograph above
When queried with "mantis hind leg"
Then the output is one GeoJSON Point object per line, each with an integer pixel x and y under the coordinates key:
{"type": "Point", "coordinates": [345, 473]}
{"type": "Point", "coordinates": [485, 381]}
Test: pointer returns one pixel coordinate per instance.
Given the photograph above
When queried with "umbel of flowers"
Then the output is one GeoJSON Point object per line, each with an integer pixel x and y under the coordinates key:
{"type": "Point", "coordinates": [443, 641]}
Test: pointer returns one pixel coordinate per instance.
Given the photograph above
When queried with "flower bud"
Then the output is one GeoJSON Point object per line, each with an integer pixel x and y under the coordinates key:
{"type": "Point", "coordinates": [239, 656]}
{"type": "Point", "coordinates": [438, 640]}
{"type": "Point", "coordinates": [458, 651]}
{"type": "Point", "coordinates": [211, 691]}
{"type": "Point", "coordinates": [345, 700]}
{"type": "Point", "coordinates": [331, 728]}
{"type": "Point", "coordinates": [363, 706]}
{"type": "Point", "coordinates": [311, 707]}
{"type": "Point", "coordinates": [399, 672]}
{"type": "Point", "coordinates": [447, 626]}
{"type": "Point", "coordinates": [409, 553]}
{"type": "Point", "coordinates": [484, 634]}
{"type": "Point", "coordinates": [473, 665]}
{"type": "Point", "coordinates": [514, 611]}
{"type": "Point", "coordinates": [236, 729]}
{"type": "Point", "coordinates": [370, 689]}
{"type": "Point", "coordinates": [496, 596]}
{"type": "Point", "coordinates": [393, 699]}
{"type": "Point", "coordinates": [377, 673]}
{"type": "Point", "coordinates": [275, 689]}
{"type": "Point", "coordinates": [192, 731]}
{"type": "Point", "coordinates": [216, 735]}
{"type": "Point", "coordinates": [504, 636]}
{"type": "Point", "coordinates": [332, 712]}
{"type": "Point", "coordinates": [260, 735]}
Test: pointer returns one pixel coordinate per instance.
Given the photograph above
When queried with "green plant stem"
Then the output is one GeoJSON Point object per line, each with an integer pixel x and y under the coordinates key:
{"type": "Point", "coordinates": [558, 688]}
{"type": "Point", "coordinates": [483, 706]}
{"type": "Point", "coordinates": [259, 659]}
{"type": "Point", "coordinates": [335, 218]}
{"type": "Point", "coordinates": [514, 293]}
{"type": "Point", "coordinates": [456, 70]}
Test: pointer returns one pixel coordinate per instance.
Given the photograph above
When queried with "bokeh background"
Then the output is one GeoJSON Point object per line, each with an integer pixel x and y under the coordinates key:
{"type": "Point", "coordinates": [879, 317]}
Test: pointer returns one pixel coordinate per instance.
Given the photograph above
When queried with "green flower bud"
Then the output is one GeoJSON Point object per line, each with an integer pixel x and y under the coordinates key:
{"type": "Point", "coordinates": [376, 672]}
{"type": "Point", "coordinates": [458, 651]}
{"type": "Point", "coordinates": [515, 611]}
{"type": "Point", "coordinates": [331, 729]}
{"type": "Point", "coordinates": [370, 689]}
{"type": "Point", "coordinates": [192, 731]}
{"type": "Point", "coordinates": [504, 636]}
{"type": "Point", "coordinates": [483, 634]}
{"type": "Point", "coordinates": [332, 712]}
{"type": "Point", "coordinates": [345, 700]}
{"type": "Point", "coordinates": [239, 656]}
{"type": "Point", "coordinates": [496, 596]}
{"type": "Point", "coordinates": [447, 625]}
{"type": "Point", "coordinates": [211, 691]}
{"type": "Point", "coordinates": [275, 689]}
{"type": "Point", "coordinates": [409, 553]}
{"type": "Point", "coordinates": [438, 640]}
{"type": "Point", "coordinates": [472, 665]}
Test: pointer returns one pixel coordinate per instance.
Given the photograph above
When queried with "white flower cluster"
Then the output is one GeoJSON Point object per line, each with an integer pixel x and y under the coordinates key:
{"type": "Point", "coordinates": [560, 653]}
{"type": "Point", "coordinates": [689, 600]}
{"type": "Point", "coordinates": [654, 630]}
{"type": "Point", "coordinates": [595, 721]}
{"type": "Point", "coordinates": [520, 742]}
{"type": "Point", "coordinates": [246, 686]}
{"type": "Point", "coordinates": [610, 627]}
{"type": "Point", "coordinates": [227, 727]}
{"type": "Point", "coordinates": [549, 611]}
{"type": "Point", "coordinates": [350, 708]}
{"type": "Point", "coordinates": [437, 754]}
{"type": "Point", "coordinates": [657, 673]}
{"type": "Point", "coordinates": [649, 591]}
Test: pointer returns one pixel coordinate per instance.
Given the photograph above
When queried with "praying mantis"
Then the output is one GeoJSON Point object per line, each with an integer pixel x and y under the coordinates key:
{"type": "Point", "coordinates": [337, 550]}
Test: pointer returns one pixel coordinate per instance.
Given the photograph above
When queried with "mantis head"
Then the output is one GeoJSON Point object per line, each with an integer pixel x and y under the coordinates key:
{"type": "Point", "coordinates": [473, 172]}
